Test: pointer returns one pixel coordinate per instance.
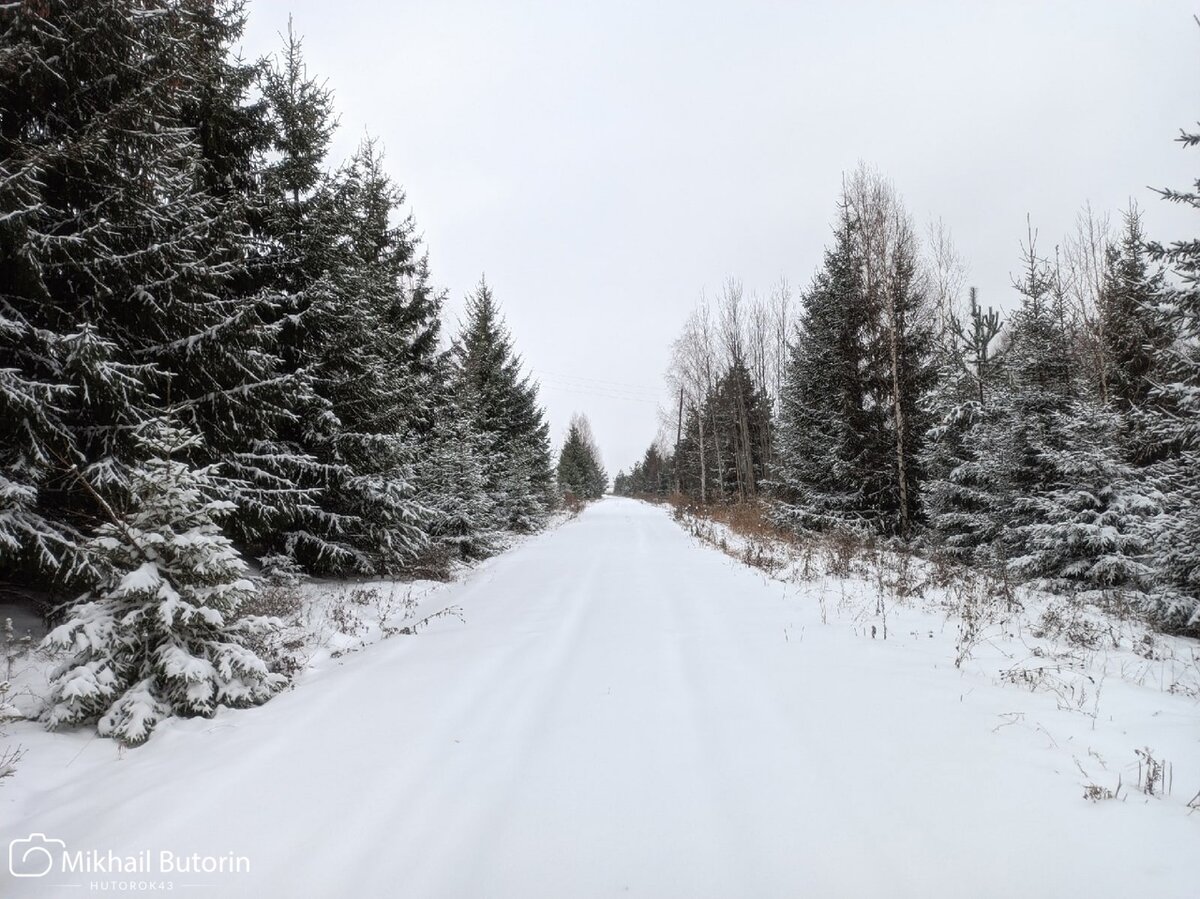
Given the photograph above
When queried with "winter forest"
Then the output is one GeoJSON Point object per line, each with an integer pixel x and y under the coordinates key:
{"type": "Point", "coordinates": [206, 319]}
{"type": "Point", "coordinates": [246, 434]}
{"type": "Point", "coordinates": [1056, 443]}
{"type": "Point", "coordinates": [217, 344]}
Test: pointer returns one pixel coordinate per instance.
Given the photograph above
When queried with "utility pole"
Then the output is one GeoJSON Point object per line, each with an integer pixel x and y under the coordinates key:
{"type": "Point", "coordinates": [678, 438]}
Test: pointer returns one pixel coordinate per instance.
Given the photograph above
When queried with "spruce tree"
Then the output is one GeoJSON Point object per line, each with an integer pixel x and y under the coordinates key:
{"type": "Point", "coordinates": [1000, 457]}
{"type": "Point", "coordinates": [691, 464]}
{"type": "Point", "coordinates": [451, 481]}
{"type": "Point", "coordinates": [117, 268]}
{"type": "Point", "coordinates": [742, 416]}
{"type": "Point", "coordinates": [370, 378]}
{"type": "Point", "coordinates": [160, 634]}
{"type": "Point", "coordinates": [361, 330]}
{"type": "Point", "coordinates": [1172, 423]}
{"type": "Point", "coordinates": [579, 468]}
{"type": "Point", "coordinates": [502, 404]}
{"type": "Point", "coordinates": [957, 495]}
{"type": "Point", "coordinates": [1086, 530]}
{"type": "Point", "coordinates": [299, 246]}
{"type": "Point", "coordinates": [906, 375]}
{"type": "Point", "coordinates": [231, 383]}
{"type": "Point", "coordinates": [853, 411]}
{"type": "Point", "coordinates": [820, 477]}
{"type": "Point", "coordinates": [1038, 364]}
{"type": "Point", "coordinates": [1134, 338]}
{"type": "Point", "coordinates": [246, 399]}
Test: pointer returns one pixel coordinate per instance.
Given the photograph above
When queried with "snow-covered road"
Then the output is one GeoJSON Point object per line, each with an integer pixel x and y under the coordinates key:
{"type": "Point", "coordinates": [623, 712]}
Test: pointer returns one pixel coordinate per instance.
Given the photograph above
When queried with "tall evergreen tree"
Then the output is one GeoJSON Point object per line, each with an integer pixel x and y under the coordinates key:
{"type": "Point", "coordinates": [908, 374]}
{"type": "Point", "coordinates": [855, 397]}
{"type": "Point", "coordinates": [451, 482]}
{"type": "Point", "coordinates": [741, 415]}
{"type": "Point", "coordinates": [1173, 424]}
{"type": "Point", "coordinates": [233, 385]}
{"type": "Point", "coordinates": [1133, 337]}
{"type": "Point", "coordinates": [692, 461]}
{"type": "Point", "coordinates": [957, 495]}
{"type": "Point", "coordinates": [362, 330]}
{"type": "Point", "coordinates": [820, 476]}
{"type": "Point", "coordinates": [371, 361]}
{"type": "Point", "coordinates": [1011, 448]}
{"type": "Point", "coordinates": [502, 404]}
{"type": "Point", "coordinates": [579, 468]}
{"type": "Point", "coordinates": [299, 244]}
{"type": "Point", "coordinates": [115, 254]}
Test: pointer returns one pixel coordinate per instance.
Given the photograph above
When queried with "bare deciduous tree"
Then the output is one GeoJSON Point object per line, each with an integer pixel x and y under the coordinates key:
{"type": "Point", "coordinates": [1083, 275]}
{"type": "Point", "coordinates": [693, 371]}
{"type": "Point", "coordinates": [946, 275]}
{"type": "Point", "coordinates": [781, 336]}
{"type": "Point", "coordinates": [733, 341]}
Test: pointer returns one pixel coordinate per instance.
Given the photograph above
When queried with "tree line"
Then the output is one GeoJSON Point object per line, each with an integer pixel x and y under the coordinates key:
{"type": "Point", "coordinates": [1059, 442]}
{"type": "Point", "coordinates": [580, 472]}
{"type": "Point", "coordinates": [217, 344]}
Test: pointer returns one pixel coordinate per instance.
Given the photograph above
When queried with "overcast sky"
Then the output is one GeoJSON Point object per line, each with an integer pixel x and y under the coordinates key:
{"type": "Point", "coordinates": [603, 163]}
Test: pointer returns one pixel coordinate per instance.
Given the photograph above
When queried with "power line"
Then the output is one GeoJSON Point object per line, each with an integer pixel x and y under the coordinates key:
{"type": "Point", "coordinates": [575, 389]}
{"type": "Point", "coordinates": [601, 382]}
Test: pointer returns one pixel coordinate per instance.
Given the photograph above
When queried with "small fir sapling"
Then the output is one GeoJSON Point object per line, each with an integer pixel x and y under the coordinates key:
{"type": "Point", "coordinates": [160, 635]}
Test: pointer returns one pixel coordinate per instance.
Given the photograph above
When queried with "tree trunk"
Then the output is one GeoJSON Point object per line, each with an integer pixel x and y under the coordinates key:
{"type": "Point", "coordinates": [898, 413]}
{"type": "Point", "coordinates": [720, 461]}
{"type": "Point", "coordinates": [678, 438]}
{"type": "Point", "coordinates": [746, 454]}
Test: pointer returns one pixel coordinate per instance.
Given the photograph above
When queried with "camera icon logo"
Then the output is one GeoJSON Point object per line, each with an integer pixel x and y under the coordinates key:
{"type": "Point", "coordinates": [33, 856]}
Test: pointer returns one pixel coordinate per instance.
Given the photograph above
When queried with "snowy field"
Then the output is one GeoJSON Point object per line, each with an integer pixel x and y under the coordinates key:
{"type": "Point", "coordinates": [616, 707]}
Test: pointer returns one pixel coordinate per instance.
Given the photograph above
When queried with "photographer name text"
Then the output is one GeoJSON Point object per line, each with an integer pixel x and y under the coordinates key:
{"type": "Point", "coordinates": [148, 862]}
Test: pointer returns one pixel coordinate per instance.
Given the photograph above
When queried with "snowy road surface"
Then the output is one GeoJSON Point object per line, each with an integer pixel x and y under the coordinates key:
{"type": "Point", "coordinates": [623, 712]}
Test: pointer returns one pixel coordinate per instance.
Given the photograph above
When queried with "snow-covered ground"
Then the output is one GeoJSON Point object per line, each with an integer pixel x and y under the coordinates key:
{"type": "Point", "coordinates": [623, 709]}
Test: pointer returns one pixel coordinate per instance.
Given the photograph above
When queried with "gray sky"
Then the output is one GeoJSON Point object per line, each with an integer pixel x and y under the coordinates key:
{"type": "Point", "coordinates": [603, 163]}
